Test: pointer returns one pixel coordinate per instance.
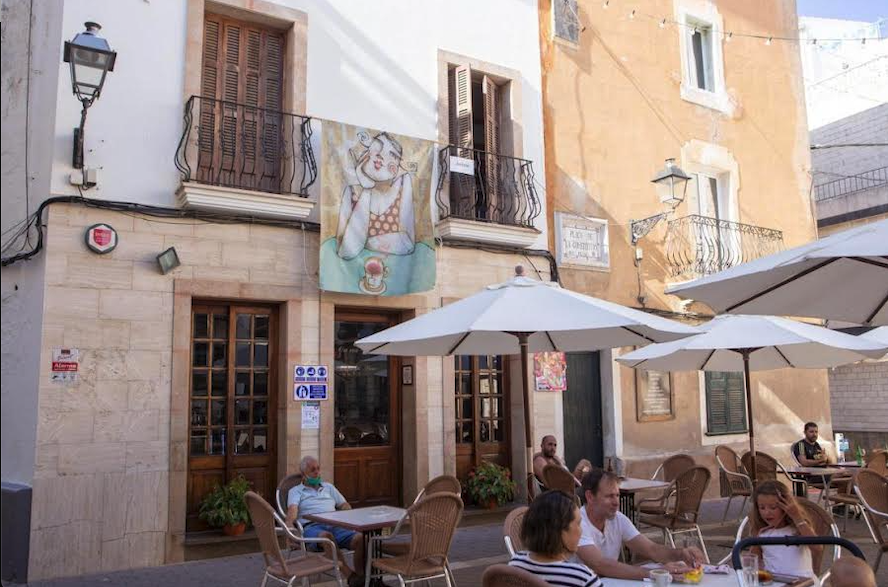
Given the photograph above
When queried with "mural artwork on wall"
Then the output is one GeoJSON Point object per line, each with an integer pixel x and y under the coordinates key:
{"type": "Point", "coordinates": [376, 222]}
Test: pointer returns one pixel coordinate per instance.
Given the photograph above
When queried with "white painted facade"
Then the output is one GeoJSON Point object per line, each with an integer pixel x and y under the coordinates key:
{"type": "Point", "coordinates": [369, 64]}
{"type": "Point", "coordinates": [842, 77]}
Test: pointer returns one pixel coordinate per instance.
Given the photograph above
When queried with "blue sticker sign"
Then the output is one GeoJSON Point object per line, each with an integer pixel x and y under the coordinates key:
{"type": "Point", "coordinates": [310, 374]}
{"type": "Point", "coordinates": [309, 392]}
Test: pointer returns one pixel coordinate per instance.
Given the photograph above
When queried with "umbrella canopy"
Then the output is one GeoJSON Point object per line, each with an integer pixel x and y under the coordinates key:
{"type": "Point", "coordinates": [880, 335]}
{"type": "Point", "coordinates": [554, 319]}
{"type": "Point", "coordinates": [755, 343]}
{"type": "Point", "coordinates": [519, 316]}
{"type": "Point", "coordinates": [843, 276]}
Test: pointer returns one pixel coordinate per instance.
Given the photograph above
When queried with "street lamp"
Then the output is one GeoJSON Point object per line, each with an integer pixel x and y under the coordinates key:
{"type": "Point", "coordinates": [672, 183]}
{"type": "Point", "coordinates": [91, 58]}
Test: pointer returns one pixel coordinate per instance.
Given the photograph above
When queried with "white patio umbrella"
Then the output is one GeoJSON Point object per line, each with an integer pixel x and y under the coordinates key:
{"type": "Point", "coordinates": [755, 343]}
{"type": "Point", "coordinates": [519, 316]}
{"type": "Point", "coordinates": [843, 277]}
{"type": "Point", "coordinates": [879, 335]}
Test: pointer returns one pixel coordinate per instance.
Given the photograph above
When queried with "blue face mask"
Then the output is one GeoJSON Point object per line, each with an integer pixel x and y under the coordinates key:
{"type": "Point", "coordinates": [313, 481]}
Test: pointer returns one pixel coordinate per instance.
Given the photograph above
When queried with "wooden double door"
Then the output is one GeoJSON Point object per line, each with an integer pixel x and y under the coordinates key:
{"type": "Point", "coordinates": [232, 404]}
{"type": "Point", "coordinates": [367, 443]}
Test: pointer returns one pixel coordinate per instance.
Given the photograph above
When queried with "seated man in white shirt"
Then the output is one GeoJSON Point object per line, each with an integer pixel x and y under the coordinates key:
{"type": "Point", "coordinates": [606, 530]}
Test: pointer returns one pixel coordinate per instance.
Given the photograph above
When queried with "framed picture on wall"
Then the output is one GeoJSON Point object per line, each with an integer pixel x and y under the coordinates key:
{"type": "Point", "coordinates": [653, 396]}
{"type": "Point", "coordinates": [407, 374]}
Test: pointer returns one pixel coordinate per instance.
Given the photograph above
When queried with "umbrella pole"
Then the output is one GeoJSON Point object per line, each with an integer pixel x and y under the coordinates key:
{"type": "Point", "coordinates": [525, 387]}
{"type": "Point", "coordinates": [749, 417]}
{"type": "Point", "coordinates": [522, 344]}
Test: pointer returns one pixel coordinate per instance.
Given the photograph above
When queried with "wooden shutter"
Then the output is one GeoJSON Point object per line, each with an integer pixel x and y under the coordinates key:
{"type": "Point", "coordinates": [492, 144]}
{"type": "Point", "coordinates": [461, 108]}
{"type": "Point", "coordinates": [462, 187]}
{"type": "Point", "coordinates": [725, 402]}
{"type": "Point", "coordinates": [209, 79]}
{"type": "Point", "coordinates": [243, 71]}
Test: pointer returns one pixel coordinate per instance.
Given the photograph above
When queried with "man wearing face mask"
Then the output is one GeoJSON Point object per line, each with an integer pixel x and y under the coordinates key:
{"type": "Point", "coordinates": [314, 496]}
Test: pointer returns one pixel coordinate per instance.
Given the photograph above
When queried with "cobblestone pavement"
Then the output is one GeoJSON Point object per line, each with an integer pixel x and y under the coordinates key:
{"type": "Point", "coordinates": [473, 550]}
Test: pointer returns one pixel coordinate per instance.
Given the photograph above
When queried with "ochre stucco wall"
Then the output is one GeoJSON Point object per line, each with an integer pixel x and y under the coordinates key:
{"type": "Point", "coordinates": [613, 112]}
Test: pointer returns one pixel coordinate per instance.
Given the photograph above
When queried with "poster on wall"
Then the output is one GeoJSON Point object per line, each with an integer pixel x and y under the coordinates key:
{"type": "Point", "coordinates": [653, 395]}
{"type": "Point", "coordinates": [550, 371]}
{"type": "Point", "coordinates": [376, 220]}
{"type": "Point", "coordinates": [311, 416]}
{"type": "Point", "coordinates": [65, 366]}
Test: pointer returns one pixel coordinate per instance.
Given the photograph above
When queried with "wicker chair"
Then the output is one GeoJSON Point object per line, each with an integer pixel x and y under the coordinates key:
{"type": "Point", "coordinates": [767, 468]}
{"type": "Point", "coordinates": [440, 484]}
{"type": "Point", "coordinates": [823, 524]}
{"type": "Point", "coordinates": [512, 530]}
{"type": "Point", "coordinates": [283, 491]}
{"type": "Point", "coordinates": [531, 482]}
{"type": "Point", "coordinates": [670, 469]}
{"type": "Point", "coordinates": [506, 576]}
{"type": "Point", "coordinates": [733, 480]}
{"type": "Point", "coordinates": [872, 489]}
{"type": "Point", "coordinates": [557, 477]}
{"type": "Point", "coordinates": [878, 462]}
{"type": "Point", "coordinates": [688, 488]}
{"type": "Point", "coordinates": [279, 568]}
{"type": "Point", "coordinates": [433, 521]}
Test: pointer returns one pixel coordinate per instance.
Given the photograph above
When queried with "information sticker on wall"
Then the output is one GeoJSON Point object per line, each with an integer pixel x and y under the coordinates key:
{"type": "Point", "coordinates": [311, 415]}
{"type": "Point", "coordinates": [65, 366]}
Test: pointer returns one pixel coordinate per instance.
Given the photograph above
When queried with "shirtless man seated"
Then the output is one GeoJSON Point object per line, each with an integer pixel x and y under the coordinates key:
{"type": "Point", "coordinates": [547, 456]}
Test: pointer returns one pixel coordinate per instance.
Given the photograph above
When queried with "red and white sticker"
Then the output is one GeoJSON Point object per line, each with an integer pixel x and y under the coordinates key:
{"type": "Point", "coordinates": [65, 365]}
{"type": "Point", "coordinates": [101, 238]}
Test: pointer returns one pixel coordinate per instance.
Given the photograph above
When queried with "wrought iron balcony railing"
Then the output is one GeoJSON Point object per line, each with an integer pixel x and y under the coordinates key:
{"type": "Point", "coordinates": [487, 187]}
{"type": "Point", "coordinates": [851, 184]}
{"type": "Point", "coordinates": [246, 147]}
{"type": "Point", "coordinates": [700, 245]}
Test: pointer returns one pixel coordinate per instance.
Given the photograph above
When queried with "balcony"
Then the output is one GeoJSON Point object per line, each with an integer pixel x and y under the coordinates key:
{"type": "Point", "coordinates": [851, 184]}
{"type": "Point", "coordinates": [240, 158]}
{"type": "Point", "coordinates": [700, 245]}
{"type": "Point", "coordinates": [491, 198]}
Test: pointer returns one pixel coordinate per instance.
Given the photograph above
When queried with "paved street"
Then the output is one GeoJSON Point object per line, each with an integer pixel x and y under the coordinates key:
{"type": "Point", "coordinates": [474, 548]}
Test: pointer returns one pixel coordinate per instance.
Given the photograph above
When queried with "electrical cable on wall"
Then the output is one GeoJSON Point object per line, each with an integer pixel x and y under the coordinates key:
{"type": "Point", "coordinates": [141, 210]}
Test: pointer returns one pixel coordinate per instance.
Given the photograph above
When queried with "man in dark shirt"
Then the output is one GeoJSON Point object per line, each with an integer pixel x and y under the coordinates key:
{"type": "Point", "coordinates": [808, 451]}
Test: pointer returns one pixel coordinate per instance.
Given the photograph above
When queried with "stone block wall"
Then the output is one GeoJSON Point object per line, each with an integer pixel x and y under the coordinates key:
{"type": "Point", "coordinates": [859, 401]}
{"type": "Point", "coordinates": [111, 450]}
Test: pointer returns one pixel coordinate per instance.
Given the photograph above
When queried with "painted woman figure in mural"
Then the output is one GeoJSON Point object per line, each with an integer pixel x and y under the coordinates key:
{"type": "Point", "coordinates": [377, 213]}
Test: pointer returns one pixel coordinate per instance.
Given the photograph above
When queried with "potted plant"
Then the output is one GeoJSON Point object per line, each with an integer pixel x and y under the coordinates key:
{"type": "Point", "coordinates": [490, 485]}
{"type": "Point", "coordinates": [225, 507]}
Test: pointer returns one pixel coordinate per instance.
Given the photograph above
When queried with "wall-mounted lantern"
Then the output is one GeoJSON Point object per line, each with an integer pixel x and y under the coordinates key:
{"type": "Point", "coordinates": [91, 59]}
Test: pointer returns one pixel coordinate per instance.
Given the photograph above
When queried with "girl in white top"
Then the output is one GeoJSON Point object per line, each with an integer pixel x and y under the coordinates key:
{"type": "Point", "coordinates": [776, 513]}
{"type": "Point", "coordinates": [551, 532]}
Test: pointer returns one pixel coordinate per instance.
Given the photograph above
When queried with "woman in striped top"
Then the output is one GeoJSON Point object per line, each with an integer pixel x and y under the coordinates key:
{"type": "Point", "coordinates": [551, 533]}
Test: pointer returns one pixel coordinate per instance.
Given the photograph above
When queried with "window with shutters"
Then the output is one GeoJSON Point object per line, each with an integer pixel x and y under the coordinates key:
{"type": "Point", "coordinates": [566, 20]}
{"type": "Point", "coordinates": [476, 130]}
{"type": "Point", "coordinates": [240, 134]}
{"type": "Point", "coordinates": [725, 403]}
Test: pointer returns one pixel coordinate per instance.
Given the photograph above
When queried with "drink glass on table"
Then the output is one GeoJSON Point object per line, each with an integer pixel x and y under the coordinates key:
{"type": "Point", "coordinates": [750, 565]}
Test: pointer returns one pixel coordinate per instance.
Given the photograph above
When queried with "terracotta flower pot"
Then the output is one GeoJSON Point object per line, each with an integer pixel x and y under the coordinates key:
{"type": "Point", "coordinates": [492, 503]}
{"type": "Point", "coordinates": [234, 529]}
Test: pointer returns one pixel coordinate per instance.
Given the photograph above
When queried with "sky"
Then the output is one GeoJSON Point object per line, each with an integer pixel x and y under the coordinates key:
{"type": "Point", "coordinates": [863, 10]}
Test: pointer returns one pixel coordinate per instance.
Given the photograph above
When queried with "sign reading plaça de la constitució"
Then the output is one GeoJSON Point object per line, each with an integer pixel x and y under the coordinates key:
{"type": "Point", "coordinates": [581, 241]}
